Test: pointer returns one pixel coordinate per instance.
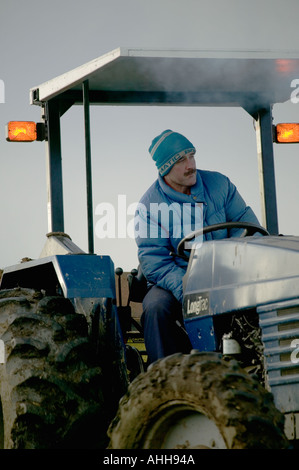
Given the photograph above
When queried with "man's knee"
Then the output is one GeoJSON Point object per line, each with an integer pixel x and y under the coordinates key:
{"type": "Point", "coordinates": [159, 300]}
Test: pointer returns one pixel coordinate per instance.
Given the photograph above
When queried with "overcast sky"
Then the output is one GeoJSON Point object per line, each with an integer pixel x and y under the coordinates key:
{"type": "Point", "coordinates": [41, 39]}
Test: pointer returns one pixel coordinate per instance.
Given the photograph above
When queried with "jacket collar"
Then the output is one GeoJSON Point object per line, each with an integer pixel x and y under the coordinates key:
{"type": "Point", "coordinates": [197, 190]}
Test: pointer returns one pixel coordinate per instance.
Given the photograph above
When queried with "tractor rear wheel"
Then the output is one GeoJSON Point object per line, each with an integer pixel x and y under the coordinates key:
{"type": "Point", "coordinates": [196, 401]}
{"type": "Point", "coordinates": [50, 384]}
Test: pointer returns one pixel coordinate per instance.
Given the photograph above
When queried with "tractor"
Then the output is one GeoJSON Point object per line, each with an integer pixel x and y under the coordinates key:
{"type": "Point", "coordinates": [69, 379]}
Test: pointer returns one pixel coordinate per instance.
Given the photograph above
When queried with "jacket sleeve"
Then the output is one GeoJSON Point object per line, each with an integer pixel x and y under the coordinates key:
{"type": "Point", "coordinates": [157, 265]}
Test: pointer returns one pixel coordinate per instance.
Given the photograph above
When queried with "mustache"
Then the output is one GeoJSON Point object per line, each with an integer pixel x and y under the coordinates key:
{"type": "Point", "coordinates": [190, 172]}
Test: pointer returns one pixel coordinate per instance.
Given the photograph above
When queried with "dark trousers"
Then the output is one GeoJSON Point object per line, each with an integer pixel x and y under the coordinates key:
{"type": "Point", "coordinates": [162, 335]}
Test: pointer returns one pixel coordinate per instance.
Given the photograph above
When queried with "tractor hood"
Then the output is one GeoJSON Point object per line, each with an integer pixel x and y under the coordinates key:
{"type": "Point", "coordinates": [240, 273]}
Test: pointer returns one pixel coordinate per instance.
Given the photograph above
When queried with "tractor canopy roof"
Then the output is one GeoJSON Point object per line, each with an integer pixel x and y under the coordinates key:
{"type": "Point", "coordinates": [250, 79]}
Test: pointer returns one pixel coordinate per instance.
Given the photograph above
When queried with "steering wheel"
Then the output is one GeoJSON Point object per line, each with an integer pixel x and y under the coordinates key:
{"type": "Point", "coordinates": [250, 229]}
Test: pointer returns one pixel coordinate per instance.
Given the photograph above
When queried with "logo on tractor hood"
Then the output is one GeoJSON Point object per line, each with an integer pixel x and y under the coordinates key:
{"type": "Point", "coordinates": [196, 304]}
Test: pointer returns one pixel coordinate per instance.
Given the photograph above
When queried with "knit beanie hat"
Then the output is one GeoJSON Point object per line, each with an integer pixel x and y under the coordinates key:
{"type": "Point", "coordinates": [167, 148]}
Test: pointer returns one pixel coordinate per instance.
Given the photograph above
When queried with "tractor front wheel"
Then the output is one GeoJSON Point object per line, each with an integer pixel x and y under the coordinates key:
{"type": "Point", "coordinates": [196, 401]}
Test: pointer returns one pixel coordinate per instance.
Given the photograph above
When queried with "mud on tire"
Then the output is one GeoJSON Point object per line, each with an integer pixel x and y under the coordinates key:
{"type": "Point", "coordinates": [199, 383]}
{"type": "Point", "coordinates": [50, 385]}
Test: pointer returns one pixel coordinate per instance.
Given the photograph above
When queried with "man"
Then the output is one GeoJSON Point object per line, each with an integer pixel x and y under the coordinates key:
{"type": "Point", "coordinates": [180, 187]}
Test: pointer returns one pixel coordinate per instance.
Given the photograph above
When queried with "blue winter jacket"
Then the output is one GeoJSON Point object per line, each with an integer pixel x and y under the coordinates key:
{"type": "Point", "coordinates": [159, 229]}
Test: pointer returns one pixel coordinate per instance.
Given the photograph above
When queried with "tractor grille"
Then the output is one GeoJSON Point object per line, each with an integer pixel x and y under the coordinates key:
{"type": "Point", "coordinates": [279, 323]}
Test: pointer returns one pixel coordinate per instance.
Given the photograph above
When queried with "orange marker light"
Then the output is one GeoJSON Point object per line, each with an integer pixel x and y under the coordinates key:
{"type": "Point", "coordinates": [21, 131]}
{"type": "Point", "coordinates": [287, 133]}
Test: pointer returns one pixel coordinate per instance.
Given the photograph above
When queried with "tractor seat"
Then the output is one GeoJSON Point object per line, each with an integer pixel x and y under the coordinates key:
{"type": "Point", "coordinates": [138, 286]}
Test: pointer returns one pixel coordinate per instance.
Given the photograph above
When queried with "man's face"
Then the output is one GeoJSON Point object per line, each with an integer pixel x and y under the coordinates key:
{"type": "Point", "coordinates": [183, 173]}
